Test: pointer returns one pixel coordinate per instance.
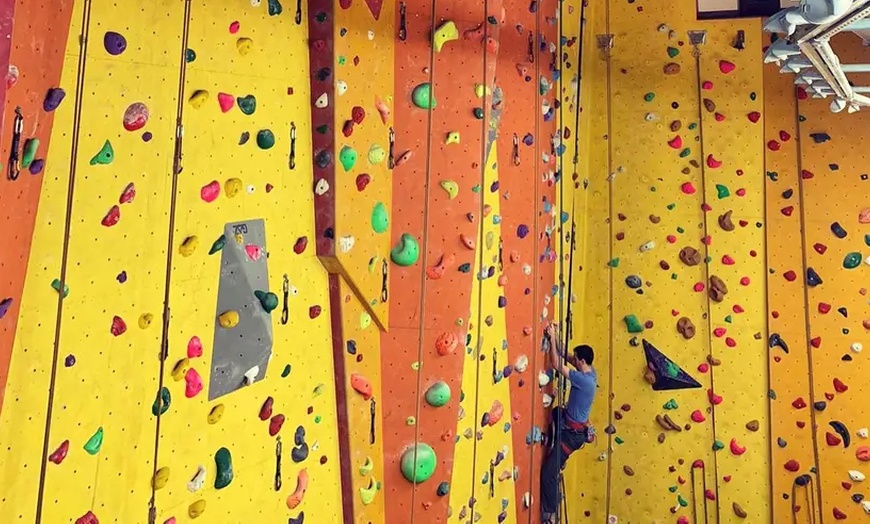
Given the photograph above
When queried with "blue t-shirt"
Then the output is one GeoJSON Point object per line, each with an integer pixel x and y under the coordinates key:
{"type": "Point", "coordinates": [583, 386]}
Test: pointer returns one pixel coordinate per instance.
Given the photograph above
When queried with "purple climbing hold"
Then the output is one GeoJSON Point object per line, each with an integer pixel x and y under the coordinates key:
{"type": "Point", "coordinates": [53, 99]}
{"type": "Point", "coordinates": [147, 136]}
{"type": "Point", "coordinates": [502, 302]}
{"type": "Point", "coordinates": [522, 230]}
{"type": "Point", "coordinates": [69, 361]}
{"type": "Point", "coordinates": [528, 139]}
{"type": "Point", "coordinates": [494, 187]}
{"type": "Point", "coordinates": [115, 43]}
{"type": "Point", "coordinates": [5, 304]}
{"type": "Point", "coordinates": [37, 166]}
{"type": "Point", "coordinates": [122, 277]}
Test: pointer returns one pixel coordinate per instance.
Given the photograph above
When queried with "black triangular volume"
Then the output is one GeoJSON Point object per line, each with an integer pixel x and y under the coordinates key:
{"type": "Point", "coordinates": [668, 375]}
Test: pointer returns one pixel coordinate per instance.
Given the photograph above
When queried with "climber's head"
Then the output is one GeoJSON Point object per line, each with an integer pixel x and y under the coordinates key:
{"type": "Point", "coordinates": [584, 356]}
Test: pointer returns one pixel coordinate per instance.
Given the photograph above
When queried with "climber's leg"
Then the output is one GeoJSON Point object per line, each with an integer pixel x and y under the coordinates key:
{"type": "Point", "coordinates": [569, 441]}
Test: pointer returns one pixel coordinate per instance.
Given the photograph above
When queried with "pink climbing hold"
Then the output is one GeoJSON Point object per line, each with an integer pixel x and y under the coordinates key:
{"type": "Point", "coordinates": [254, 252]}
{"type": "Point", "coordinates": [234, 27]}
{"type": "Point", "coordinates": [698, 287]}
{"type": "Point", "coordinates": [88, 518]}
{"type": "Point", "coordinates": [676, 142]}
{"type": "Point", "coordinates": [194, 347]}
{"type": "Point", "coordinates": [740, 192]}
{"type": "Point", "coordinates": [712, 163]}
{"type": "Point", "coordinates": [719, 332]}
{"type": "Point", "coordinates": [726, 67]}
{"type": "Point", "coordinates": [707, 85]}
{"type": "Point", "coordinates": [713, 397]}
{"type": "Point", "coordinates": [697, 416]}
{"type": "Point", "coordinates": [736, 448]}
{"type": "Point", "coordinates": [672, 239]}
{"type": "Point", "coordinates": [193, 383]}
{"type": "Point", "coordinates": [226, 101]}
{"type": "Point", "coordinates": [210, 191]}
{"type": "Point", "coordinates": [727, 260]}
{"type": "Point", "coordinates": [112, 217]}
{"type": "Point", "coordinates": [118, 326]}
{"type": "Point", "coordinates": [719, 117]}
{"type": "Point", "coordinates": [682, 519]}
{"type": "Point", "coordinates": [688, 188]}
{"type": "Point", "coordinates": [730, 342]}
{"type": "Point", "coordinates": [744, 281]}
{"type": "Point", "coordinates": [170, 520]}
{"type": "Point", "coordinates": [703, 367]}
{"type": "Point", "coordinates": [128, 194]}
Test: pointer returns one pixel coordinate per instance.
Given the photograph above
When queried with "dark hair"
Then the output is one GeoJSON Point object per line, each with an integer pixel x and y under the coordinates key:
{"type": "Point", "coordinates": [584, 352]}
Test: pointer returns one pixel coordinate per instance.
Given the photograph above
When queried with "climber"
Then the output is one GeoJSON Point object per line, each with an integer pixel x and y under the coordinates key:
{"type": "Point", "coordinates": [569, 425]}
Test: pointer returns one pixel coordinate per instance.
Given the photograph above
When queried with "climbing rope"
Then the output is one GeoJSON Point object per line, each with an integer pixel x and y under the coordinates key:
{"type": "Point", "coordinates": [699, 465]}
{"type": "Point", "coordinates": [425, 240]}
{"type": "Point", "coordinates": [64, 259]}
{"type": "Point", "coordinates": [805, 481]}
{"type": "Point", "coordinates": [170, 249]}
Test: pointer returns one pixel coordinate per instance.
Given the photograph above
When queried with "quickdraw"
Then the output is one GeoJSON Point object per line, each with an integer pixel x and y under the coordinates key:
{"type": "Point", "coordinates": [384, 280]}
{"type": "Point", "coordinates": [292, 145]}
{"type": "Point", "coordinates": [403, 31]}
{"type": "Point", "coordinates": [298, 12]}
{"type": "Point", "coordinates": [373, 412]}
{"type": "Point", "coordinates": [285, 312]}
{"type": "Point", "coordinates": [278, 453]}
{"type": "Point", "coordinates": [14, 159]}
{"type": "Point", "coordinates": [392, 158]}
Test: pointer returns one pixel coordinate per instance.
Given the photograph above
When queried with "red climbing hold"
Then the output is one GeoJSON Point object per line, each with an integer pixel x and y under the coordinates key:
{"type": "Point", "coordinates": [112, 217]}
{"type": "Point", "coordinates": [698, 464]}
{"type": "Point", "coordinates": [754, 117]}
{"type": "Point", "coordinates": [736, 448]}
{"type": "Point", "coordinates": [744, 281]}
{"type": "Point", "coordinates": [790, 275]}
{"type": "Point", "coordinates": [792, 465]}
{"type": "Point", "coordinates": [784, 136]}
{"type": "Point", "coordinates": [688, 188]}
{"type": "Point", "coordinates": [839, 515]}
{"type": "Point", "coordinates": [375, 7]}
{"type": "Point", "coordinates": [832, 440]}
{"type": "Point", "coordinates": [773, 145]}
{"type": "Point", "coordinates": [816, 342]}
{"type": "Point", "coordinates": [719, 117]}
{"type": "Point", "coordinates": [737, 308]}
{"type": "Point", "coordinates": [362, 181]}
{"type": "Point", "coordinates": [682, 519]}
{"type": "Point", "coordinates": [707, 85]}
{"type": "Point", "coordinates": [726, 67]}
{"type": "Point", "coordinates": [824, 308]}
{"type": "Point", "coordinates": [714, 398]}
{"type": "Point", "coordinates": [358, 114]}
{"type": "Point", "coordinates": [446, 343]}
{"type": "Point", "coordinates": [799, 403]}
{"type": "Point", "coordinates": [697, 416]}
{"type": "Point", "coordinates": [712, 163]}
{"type": "Point", "coordinates": [300, 245]}
{"type": "Point", "coordinates": [347, 128]}
{"type": "Point", "coordinates": [719, 332]}
{"type": "Point", "coordinates": [314, 312]}
{"type": "Point", "coordinates": [787, 210]}
{"type": "Point", "coordinates": [128, 194]}
{"type": "Point", "coordinates": [806, 175]}
{"type": "Point", "coordinates": [839, 387]}
{"type": "Point", "coordinates": [60, 453]}
{"type": "Point", "coordinates": [820, 248]}
{"type": "Point", "coordinates": [118, 326]}
{"type": "Point", "coordinates": [709, 495]}
{"type": "Point", "coordinates": [88, 518]}
{"type": "Point", "coordinates": [676, 142]}
{"type": "Point", "coordinates": [703, 367]}
{"type": "Point", "coordinates": [730, 342]}
{"type": "Point", "coordinates": [275, 424]}
{"type": "Point", "coordinates": [801, 93]}
{"type": "Point", "coordinates": [727, 260]}
{"type": "Point", "coordinates": [266, 408]}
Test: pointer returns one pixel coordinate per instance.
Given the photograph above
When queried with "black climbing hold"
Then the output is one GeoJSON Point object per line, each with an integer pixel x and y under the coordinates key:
{"type": "Point", "coordinates": [243, 139]}
{"type": "Point", "coordinates": [668, 375]}
{"type": "Point", "coordinates": [776, 341]}
{"type": "Point", "coordinates": [633, 281]}
{"type": "Point", "coordinates": [820, 405]}
{"type": "Point", "coordinates": [189, 55]}
{"type": "Point", "coordinates": [857, 498]}
{"type": "Point", "coordinates": [813, 278]}
{"type": "Point", "coordinates": [781, 442]}
{"type": "Point", "coordinates": [275, 8]}
{"type": "Point", "coordinates": [771, 394]}
{"type": "Point", "coordinates": [820, 138]}
{"type": "Point", "coordinates": [841, 430]}
{"type": "Point", "coordinates": [300, 519]}
{"type": "Point", "coordinates": [464, 268]}
{"type": "Point", "coordinates": [846, 358]}
{"type": "Point", "coordinates": [351, 347]}
{"type": "Point", "coordinates": [299, 436]}
{"type": "Point", "coordinates": [838, 230]}
{"type": "Point", "coordinates": [484, 420]}
{"type": "Point", "coordinates": [323, 159]}
{"type": "Point", "coordinates": [803, 480]}
{"type": "Point", "coordinates": [834, 167]}
{"type": "Point", "coordinates": [329, 233]}
{"type": "Point", "coordinates": [443, 489]}
{"type": "Point", "coordinates": [633, 342]}
{"type": "Point", "coordinates": [299, 453]}
{"type": "Point", "coordinates": [843, 311]}
{"type": "Point", "coordinates": [323, 74]}
{"type": "Point", "coordinates": [788, 193]}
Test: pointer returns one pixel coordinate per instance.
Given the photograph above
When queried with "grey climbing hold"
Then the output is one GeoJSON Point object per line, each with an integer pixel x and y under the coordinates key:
{"type": "Point", "coordinates": [633, 281]}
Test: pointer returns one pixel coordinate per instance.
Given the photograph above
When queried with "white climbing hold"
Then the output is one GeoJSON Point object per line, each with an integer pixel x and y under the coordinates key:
{"type": "Point", "coordinates": [321, 187]}
{"type": "Point", "coordinates": [543, 379]}
{"type": "Point", "coordinates": [547, 300]}
{"type": "Point", "coordinates": [612, 519]}
{"type": "Point", "coordinates": [527, 269]}
{"type": "Point", "coordinates": [651, 117]}
{"type": "Point", "coordinates": [547, 400]}
{"type": "Point", "coordinates": [856, 476]}
{"type": "Point", "coordinates": [602, 457]}
{"type": "Point", "coordinates": [346, 243]}
{"type": "Point", "coordinates": [341, 87]}
{"type": "Point", "coordinates": [251, 375]}
{"type": "Point", "coordinates": [648, 246]}
{"type": "Point", "coordinates": [522, 364]}
{"type": "Point", "coordinates": [322, 101]}
{"type": "Point", "coordinates": [663, 28]}
{"type": "Point", "coordinates": [865, 505]}
{"type": "Point", "coordinates": [856, 347]}
{"type": "Point", "coordinates": [867, 260]}
{"type": "Point", "coordinates": [371, 35]}
{"type": "Point", "coordinates": [863, 432]}
{"type": "Point", "coordinates": [250, 189]}
{"type": "Point", "coordinates": [527, 500]}
{"type": "Point", "coordinates": [198, 480]}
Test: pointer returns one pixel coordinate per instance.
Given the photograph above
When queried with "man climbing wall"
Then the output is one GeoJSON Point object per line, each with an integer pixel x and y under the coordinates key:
{"type": "Point", "coordinates": [569, 425]}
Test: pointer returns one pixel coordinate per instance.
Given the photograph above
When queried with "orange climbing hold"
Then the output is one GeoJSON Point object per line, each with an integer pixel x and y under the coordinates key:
{"type": "Point", "coordinates": [446, 343]}
{"type": "Point", "coordinates": [295, 498]}
{"type": "Point", "coordinates": [437, 271]}
{"type": "Point", "coordinates": [863, 454]}
{"type": "Point", "coordinates": [361, 385]}
{"type": "Point", "coordinates": [467, 241]}
{"type": "Point", "coordinates": [496, 412]}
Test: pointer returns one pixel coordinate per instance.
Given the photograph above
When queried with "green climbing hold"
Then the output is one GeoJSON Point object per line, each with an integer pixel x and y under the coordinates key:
{"type": "Point", "coordinates": [614, 262]}
{"type": "Point", "coordinates": [633, 324]}
{"type": "Point", "coordinates": [347, 156]}
{"type": "Point", "coordinates": [852, 260]}
{"type": "Point", "coordinates": [380, 218]}
{"type": "Point", "coordinates": [728, 319]}
{"type": "Point", "coordinates": [680, 230]}
{"type": "Point", "coordinates": [422, 96]}
{"type": "Point", "coordinates": [464, 268]}
{"type": "Point", "coordinates": [438, 394]}
{"type": "Point", "coordinates": [681, 501]}
{"type": "Point", "coordinates": [377, 154]}
{"type": "Point", "coordinates": [275, 8]}
{"type": "Point", "coordinates": [718, 445]}
{"type": "Point", "coordinates": [618, 440]}
{"type": "Point", "coordinates": [224, 462]}
{"type": "Point", "coordinates": [867, 239]}
{"type": "Point", "coordinates": [418, 463]}
{"type": "Point", "coordinates": [55, 284]}
{"type": "Point", "coordinates": [286, 372]}
{"type": "Point", "coordinates": [267, 299]}
{"type": "Point", "coordinates": [722, 191]}
{"type": "Point", "coordinates": [649, 97]}
{"type": "Point", "coordinates": [478, 113]}
{"type": "Point", "coordinates": [322, 129]}
{"type": "Point", "coordinates": [753, 96]}
{"type": "Point", "coordinates": [189, 55]}
{"type": "Point", "coordinates": [30, 149]}
{"type": "Point", "coordinates": [685, 152]}
{"type": "Point", "coordinates": [672, 370]}
{"type": "Point", "coordinates": [93, 445]}
{"type": "Point", "coordinates": [671, 207]}
{"type": "Point", "coordinates": [406, 252]}
{"type": "Point", "coordinates": [693, 126]}
{"type": "Point", "coordinates": [247, 104]}
{"type": "Point", "coordinates": [105, 156]}
{"type": "Point", "coordinates": [670, 404]}
{"type": "Point", "coordinates": [672, 489]}
{"type": "Point", "coordinates": [161, 403]}
{"type": "Point", "coordinates": [443, 488]}
{"type": "Point", "coordinates": [265, 139]}
{"type": "Point", "coordinates": [475, 188]}
{"type": "Point", "coordinates": [218, 245]}
{"type": "Point", "coordinates": [673, 52]}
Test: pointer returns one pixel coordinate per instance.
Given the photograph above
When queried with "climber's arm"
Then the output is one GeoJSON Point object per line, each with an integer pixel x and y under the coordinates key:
{"type": "Point", "coordinates": [557, 356]}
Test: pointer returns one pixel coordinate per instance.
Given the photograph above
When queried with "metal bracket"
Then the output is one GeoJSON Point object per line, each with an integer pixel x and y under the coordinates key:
{"type": "Point", "coordinates": [605, 42]}
{"type": "Point", "coordinates": [697, 37]}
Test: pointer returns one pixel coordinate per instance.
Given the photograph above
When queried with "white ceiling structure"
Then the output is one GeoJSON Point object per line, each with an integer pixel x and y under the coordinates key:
{"type": "Point", "coordinates": [804, 48]}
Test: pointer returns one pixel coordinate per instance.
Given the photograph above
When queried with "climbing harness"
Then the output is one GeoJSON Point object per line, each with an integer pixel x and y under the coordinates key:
{"type": "Point", "coordinates": [372, 412]}
{"type": "Point", "coordinates": [14, 160]}
{"type": "Point", "coordinates": [292, 145]}
{"type": "Point", "coordinates": [285, 311]}
{"type": "Point", "coordinates": [403, 31]}
{"type": "Point", "coordinates": [392, 157]}
{"type": "Point", "coordinates": [298, 12]}
{"type": "Point", "coordinates": [278, 450]}
{"type": "Point", "coordinates": [385, 279]}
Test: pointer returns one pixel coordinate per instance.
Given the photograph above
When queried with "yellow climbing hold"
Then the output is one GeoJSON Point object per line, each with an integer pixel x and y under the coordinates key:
{"type": "Point", "coordinates": [451, 187]}
{"type": "Point", "coordinates": [216, 413]}
{"type": "Point", "coordinates": [180, 369]}
{"type": "Point", "coordinates": [367, 495]}
{"type": "Point", "coordinates": [367, 468]}
{"type": "Point", "coordinates": [480, 90]}
{"type": "Point", "coordinates": [189, 246]}
{"type": "Point", "coordinates": [377, 154]}
{"type": "Point", "coordinates": [365, 320]}
{"type": "Point", "coordinates": [198, 98]}
{"type": "Point", "coordinates": [161, 478]}
{"type": "Point", "coordinates": [145, 320]}
{"type": "Point", "coordinates": [196, 509]}
{"type": "Point", "coordinates": [232, 187]}
{"type": "Point", "coordinates": [244, 45]}
{"type": "Point", "coordinates": [452, 137]}
{"type": "Point", "coordinates": [446, 33]}
{"type": "Point", "coordinates": [229, 319]}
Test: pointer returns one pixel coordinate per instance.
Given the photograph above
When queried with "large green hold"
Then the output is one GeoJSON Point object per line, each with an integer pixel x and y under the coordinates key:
{"type": "Point", "coordinates": [406, 252]}
{"type": "Point", "coordinates": [347, 156]}
{"type": "Point", "coordinates": [852, 260]}
{"type": "Point", "coordinates": [218, 245]}
{"type": "Point", "coordinates": [425, 459]}
{"type": "Point", "coordinates": [267, 299]}
{"type": "Point", "coordinates": [224, 462]}
{"type": "Point", "coordinates": [438, 394]}
{"type": "Point", "coordinates": [93, 445]}
{"type": "Point", "coordinates": [105, 156]}
{"type": "Point", "coordinates": [161, 403]}
{"type": "Point", "coordinates": [275, 8]}
{"type": "Point", "coordinates": [30, 149]}
{"type": "Point", "coordinates": [633, 324]}
{"type": "Point", "coordinates": [265, 139]}
{"type": "Point", "coordinates": [247, 104]}
{"type": "Point", "coordinates": [422, 96]}
{"type": "Point", "coordinates": [380, 218]}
